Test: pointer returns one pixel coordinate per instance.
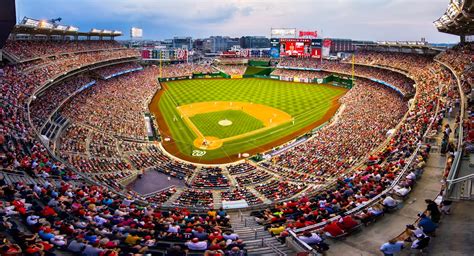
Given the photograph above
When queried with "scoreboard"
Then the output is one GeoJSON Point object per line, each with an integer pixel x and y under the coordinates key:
{"type": "Point", "coordinates": [296, 47]}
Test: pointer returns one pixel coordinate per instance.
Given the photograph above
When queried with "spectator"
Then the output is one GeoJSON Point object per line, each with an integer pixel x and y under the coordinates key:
{"type": "Point", "coordinates": [196, 245]}
{"type": "Point", "coordinates": [389, 202]}
{"type": "Point", "coordinates": [421, 242]}
{"type": "Point", "coordinates": [433, 210]}
{"type": "Point", "coordinates": [391, 247]}
{"type": "Point", "coordinates": [428, 226]}
{"type": "Point", "coordinates": [76, 245]}
{"type": "Point", "coordinates": [310, 238]}
{"type": "Point", "coordinates": [235, 251]}
{"type": "Point", "coordinates": [333, 229]}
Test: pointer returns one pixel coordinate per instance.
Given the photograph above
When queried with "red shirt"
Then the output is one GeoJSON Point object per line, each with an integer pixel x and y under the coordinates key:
{"type": "Point", "coordinates": [347, 223]}
{"type": "Point", "coordinates": [333, 229]}
{"type": "Point", "coordinates": [48, 211]}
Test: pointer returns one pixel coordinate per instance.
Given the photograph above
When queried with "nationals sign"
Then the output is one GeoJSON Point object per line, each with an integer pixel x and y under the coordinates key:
{"type": "Point", "coordinates": [313, 34]}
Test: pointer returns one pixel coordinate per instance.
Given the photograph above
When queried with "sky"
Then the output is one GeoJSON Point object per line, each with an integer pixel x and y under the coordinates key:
{"type": "Point", "coordinates": [376, 20]}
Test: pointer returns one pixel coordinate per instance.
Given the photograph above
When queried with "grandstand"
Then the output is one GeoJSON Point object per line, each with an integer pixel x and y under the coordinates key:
{"type": "Point", "coordinates": [106, 152]}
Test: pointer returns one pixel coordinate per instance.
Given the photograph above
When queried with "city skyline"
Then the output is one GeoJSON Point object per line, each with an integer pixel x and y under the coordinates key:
{"type": "Point", "coordinates": [375, 20]}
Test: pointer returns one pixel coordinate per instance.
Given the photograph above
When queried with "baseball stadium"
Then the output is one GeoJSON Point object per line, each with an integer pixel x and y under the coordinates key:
{"type": "Point", "coordinates": [296, 142]}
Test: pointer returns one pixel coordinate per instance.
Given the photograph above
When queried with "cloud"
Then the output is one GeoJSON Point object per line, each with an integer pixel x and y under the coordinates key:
{"type": "Point", "coordinates": [357, 19]}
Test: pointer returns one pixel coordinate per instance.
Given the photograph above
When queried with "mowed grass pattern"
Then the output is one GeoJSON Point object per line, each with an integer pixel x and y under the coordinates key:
{"type": "Point", "coordinates": [306, 103]}
{"type": "Point", "coordinates": [208, 123]}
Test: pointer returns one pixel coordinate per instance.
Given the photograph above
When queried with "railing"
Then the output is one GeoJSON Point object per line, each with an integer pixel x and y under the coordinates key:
{"type": "Point", "coordinates": [299, 245]}
{"type": "Point", "coordinates": [274, 248]}
{"type": "Point", "coordinates": [453, 172]}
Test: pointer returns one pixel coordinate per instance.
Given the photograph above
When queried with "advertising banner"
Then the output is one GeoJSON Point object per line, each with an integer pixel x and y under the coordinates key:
{"type": "Point", "coordinates": [316, 53]}
{"type": "Point", "coordinates": [316, 43]}
{"type": "Point", "coordinates": [181, 54]}
{"type": "Point", "coordinates": [326, 47]}
{"type": "Point", "coordinates": [275, 48]}
{"type": "Point", "coordinates": [283, 32]}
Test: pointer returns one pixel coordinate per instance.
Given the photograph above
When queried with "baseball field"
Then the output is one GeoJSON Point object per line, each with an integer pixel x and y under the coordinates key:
{"type": "Point", "coordinates": [215, 120]}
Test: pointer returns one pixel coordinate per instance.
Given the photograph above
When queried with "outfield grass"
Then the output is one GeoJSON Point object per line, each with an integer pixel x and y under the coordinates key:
{"type": "Point", "coordinates": [208, 123]}
{"type": "Point", "coordinates": [306, 103]}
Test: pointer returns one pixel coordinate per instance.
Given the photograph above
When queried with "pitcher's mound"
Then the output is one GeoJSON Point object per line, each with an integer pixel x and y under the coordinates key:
{"type": "Point", "coordinates": [208, 143]}
{"type": "Point", "coordinates": [225, 122]}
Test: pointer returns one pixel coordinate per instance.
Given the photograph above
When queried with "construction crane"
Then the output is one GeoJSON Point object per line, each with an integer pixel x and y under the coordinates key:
{"type": "Point", "coordinates": [54, 21]}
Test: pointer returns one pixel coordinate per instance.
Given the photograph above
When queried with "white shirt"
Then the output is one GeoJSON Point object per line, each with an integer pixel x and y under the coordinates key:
{"type": "Point", "coordinates": [313, 239]}
{"type": "Point", "coordinates": [32, 220]}
{"type": "Point", "coordinates": [411, 176]}
{"type": "Point", "coordinates": [231, 236]}
{"type": "Point", "coordinates": [403, 191]}
{"type": "Point", "coordinates": [389, 201]}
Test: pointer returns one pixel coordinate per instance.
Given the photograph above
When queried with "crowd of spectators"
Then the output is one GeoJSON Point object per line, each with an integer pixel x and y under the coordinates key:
{"type": "Point", "coordinates": [27, 49]}
{"type": "Point", "coordinates": [232, 70]}
{"type": "Point", "coordinates": [115, 105]}
{"type": "Point", "coordinates": [241, 193]}
{"type": "Point", "coordinates": [460, 59]}
{"type": "Point", "coordinates": [277, 190]}
{"type": "Point", "coordinates": [131, 146]}
{"type": "Point", "coordinates": [371, 110]}
{"type": "Point", "coordinates": [300, 73]}
{"type": "Point", "coordinates": [240, 168]}
{"type": "Point", "coordinates": [94, 165]}
{"type": "Point", "coordinates": [195, 198]}
{"type": "Point", "coordinates": [294, 175]}
{"type": "Point", "coordinates": [322, 70]}
{"type": "Point", "coordinates": [185, 69]}
{"type": "Point", "coordinates": [355, 187]}
{"type": "Point", "coordinates": [109, 71]}
{"type": "Point", "coordinates": [60, 218]}
{"type": "Point", "coordinates": [19, 150]}
{"type": "Point", "coordinates": [102, 145]}
{"type": "Point", "coordinates": [300, 63]}
{"type": "Point", "coordinates": [253, 177]}
{"type": "Point", "coordinates": [45, 103]}
{"type": "Point", "coordinates": [404, 61]}
{"type": "Point", "coordinates": [57, 66]}
{"type": "Point", "coordinates": [161, 196]}
{"type": "Point", "coordinates": [73, 139]}
{"type": "Point", "coordinates": [210, 177]}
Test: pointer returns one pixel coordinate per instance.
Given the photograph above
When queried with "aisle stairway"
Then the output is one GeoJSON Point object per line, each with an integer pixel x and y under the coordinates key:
{"type": "Point", "coordinates": [216, 199]}
{"type": "Point", "coordinates": [173, 198]}
{"type": "Point", "coordinates": [258, 241]}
